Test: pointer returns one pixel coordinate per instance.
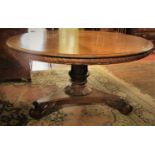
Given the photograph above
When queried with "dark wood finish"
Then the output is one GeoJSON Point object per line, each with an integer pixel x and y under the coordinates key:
{"type": "Point", "coordinates": [77, 94]}
{"type": "Point", "coordinates": [88, 61]}
{"type": "Point", "coordinates": [48, 105]}
{"type": "Point", "coordinates": [78, 75]}
{"type": "Point", "coordinates": [12, 66]}
{"type": "Point", "coordinates": [80, 48]}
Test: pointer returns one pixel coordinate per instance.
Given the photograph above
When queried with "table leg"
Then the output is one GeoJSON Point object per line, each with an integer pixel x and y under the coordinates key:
{"type": "Point", "coordinates": [78, 93]}
{"type": "Point", "coordinates": [78, 75]}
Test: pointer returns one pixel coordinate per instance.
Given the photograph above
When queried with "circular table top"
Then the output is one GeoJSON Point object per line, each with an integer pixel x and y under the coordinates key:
{"type": "Point", "coordinates": [81, 45]}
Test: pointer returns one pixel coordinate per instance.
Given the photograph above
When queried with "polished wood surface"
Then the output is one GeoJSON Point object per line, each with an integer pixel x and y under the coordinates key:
{"type": "Point", "coordinates": [74, 43]}
{"type": "Point", "coordinates": [80, 48]}
{"type": "Point", "coordinates": [148, 33]}
{"type": "Point", "coordinates": [77, 93]}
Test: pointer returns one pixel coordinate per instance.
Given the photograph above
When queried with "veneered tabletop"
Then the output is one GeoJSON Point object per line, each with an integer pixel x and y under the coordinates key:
{"type": "Point", "coordinates": [73, 44]}
{"type": "Point", "coordinates": [80, 49]}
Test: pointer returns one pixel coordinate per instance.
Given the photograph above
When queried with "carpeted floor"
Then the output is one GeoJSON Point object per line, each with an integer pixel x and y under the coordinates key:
{"type": "Point", "coordinates": [19, 97]}
{"type": "Point", "coordinates": [139, 73]}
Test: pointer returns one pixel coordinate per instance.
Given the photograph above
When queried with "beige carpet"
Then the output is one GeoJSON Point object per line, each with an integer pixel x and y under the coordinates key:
{"type": "Point", "coordinates": [48, 82]}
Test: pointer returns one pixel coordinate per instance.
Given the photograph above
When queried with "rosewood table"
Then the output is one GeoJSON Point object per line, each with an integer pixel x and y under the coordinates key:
{"type": "Point", "coordinates": [79, 49]}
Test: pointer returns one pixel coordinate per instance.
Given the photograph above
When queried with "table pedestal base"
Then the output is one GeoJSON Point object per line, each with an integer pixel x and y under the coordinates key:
{"type": "Point", "coordinates": [78, 93]}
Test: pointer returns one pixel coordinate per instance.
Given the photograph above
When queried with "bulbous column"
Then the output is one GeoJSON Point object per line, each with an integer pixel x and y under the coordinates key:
{"type": "Point", "coordinates": [78, 77]}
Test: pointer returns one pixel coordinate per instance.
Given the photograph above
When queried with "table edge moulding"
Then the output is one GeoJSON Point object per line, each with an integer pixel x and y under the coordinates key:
{"type": "Point", "coordinates": [79, 92]}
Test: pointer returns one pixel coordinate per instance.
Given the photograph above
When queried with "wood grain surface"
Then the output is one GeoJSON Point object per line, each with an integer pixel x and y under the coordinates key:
{"type": "Point", "coordinates": [74, 43]}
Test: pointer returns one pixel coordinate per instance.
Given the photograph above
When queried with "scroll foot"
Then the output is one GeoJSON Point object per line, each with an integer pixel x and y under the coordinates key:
{"type": "Point", "coordinates": [40, 110]}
